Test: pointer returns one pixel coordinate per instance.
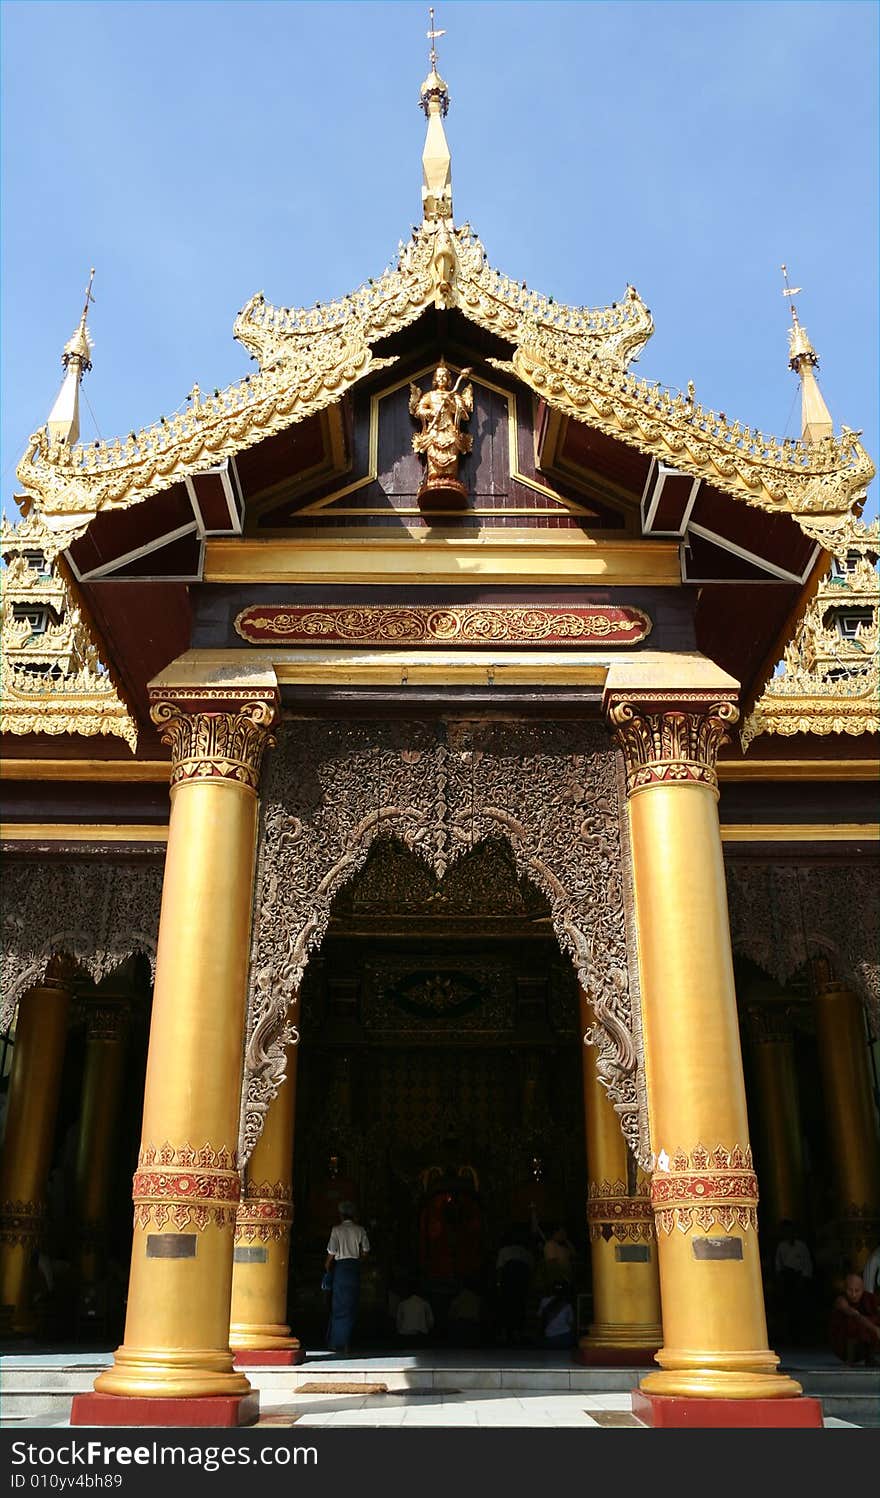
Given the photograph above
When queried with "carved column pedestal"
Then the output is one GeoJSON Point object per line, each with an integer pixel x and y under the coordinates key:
{"type": "Point", "coordinates": [623, 1250]}
{"type": "Point", "coordinates": [38, 1056]}
{"type": "Point", "coordinates": [849, 1111]}
{"type": "Point", "coordinates": [703, 1191]}
{"type": "Point", "coordinates": [258, 1333]}
{"type": "Point", "coordinates": [176, 1361]}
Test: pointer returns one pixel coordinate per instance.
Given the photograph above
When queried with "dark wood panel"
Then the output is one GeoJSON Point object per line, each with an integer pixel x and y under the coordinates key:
{"type": "Point", "coordinates": [799, 802]}
{"type": "Point", "coordinates": [68, 801]}
{"type": "Point", "coordinates": [215, 606]}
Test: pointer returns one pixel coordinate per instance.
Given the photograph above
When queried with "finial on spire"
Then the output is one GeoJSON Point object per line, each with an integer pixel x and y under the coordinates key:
{"type": "Point", "coordinates": [63, 423]}
{"type": "Point", "coordinates": [816, 420]}
{"type": "Point", "coordinates": [436, 159]}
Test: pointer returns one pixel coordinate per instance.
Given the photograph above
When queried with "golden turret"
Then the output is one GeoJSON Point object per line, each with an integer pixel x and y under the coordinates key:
{"type": "Point", "coordinates": [436, 160]}
{"type": "Point", "coordinates": [63, 423]}
{"type": "Point", "coordinates": [816, 420]}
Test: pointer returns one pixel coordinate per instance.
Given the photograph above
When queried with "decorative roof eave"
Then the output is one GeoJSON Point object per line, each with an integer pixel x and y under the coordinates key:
{"type": "Point", "coordinates": [849, 706]}
{"type": "Point", "coordinates": [575, 358]}
{"type": "Point", "coordinates": [811, 696]}
{"type": "Point", "coordinates": [86, 704]}
{"type": "Point", "coordinates": [817, 484]}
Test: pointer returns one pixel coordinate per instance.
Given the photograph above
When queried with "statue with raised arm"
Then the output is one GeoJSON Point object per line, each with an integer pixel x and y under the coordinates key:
{"type": "Point", "coordinates": [442, 411]}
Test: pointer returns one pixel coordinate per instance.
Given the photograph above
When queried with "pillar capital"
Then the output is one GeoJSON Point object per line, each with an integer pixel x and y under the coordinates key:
{"type": "Point", "coordinates": [215, 733]}
{"type": "Point", "coordinates": [670, 735]}
{"type": "Point", "coordinates": [768, 1024]}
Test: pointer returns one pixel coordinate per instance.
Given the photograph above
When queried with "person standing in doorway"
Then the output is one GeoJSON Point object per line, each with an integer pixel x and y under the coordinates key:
{"type": "Point", "coordinates": [347, 1246]}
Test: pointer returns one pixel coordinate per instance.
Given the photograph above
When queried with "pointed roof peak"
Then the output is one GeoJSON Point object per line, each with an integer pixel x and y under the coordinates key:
{"type": "Point", "coordinates": [63, 423]}
{"type": "Point", "coordinates": [436, 158]}
{"type": "Point", "coordinates": [816, 420]}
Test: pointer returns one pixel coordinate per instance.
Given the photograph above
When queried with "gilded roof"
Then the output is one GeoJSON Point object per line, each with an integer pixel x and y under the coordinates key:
{"type": "Point", "coordinates": [576, 358]}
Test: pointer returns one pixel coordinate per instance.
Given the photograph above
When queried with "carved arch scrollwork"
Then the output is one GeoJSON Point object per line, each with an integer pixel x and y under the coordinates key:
{"type": "Point", "coordinates": [553, 791]}
{"type": "Point", "coordinates": [783, 914]}
{"type": "Point", "coordinates": [92, 910]}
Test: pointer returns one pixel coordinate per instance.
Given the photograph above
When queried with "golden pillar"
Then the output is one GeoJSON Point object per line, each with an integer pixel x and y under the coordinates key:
{"type": "Point", "coordinates": [849, 1111]}
{"type": "Point", "coordinates": [259, 1331]}
{"type": "Point", "coordinates": [106, 1029]}
{"type": "Point", "coordinates": [186, 1187]}
{"type": "Point", "coordinates": [703, 1189]}
{"type": "Point", "coordinates": [34, 1087]}
{"type": "Point", "coordinates": [776, 1114]}
{"type": "Point", "coordinates": [623, 1248]}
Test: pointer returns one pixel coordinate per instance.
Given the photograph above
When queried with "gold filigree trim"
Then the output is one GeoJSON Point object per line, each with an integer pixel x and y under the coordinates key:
{"type": "Point", "coordinates": [575, 358]}
{"type": "Point", "coordinates": [22, 1223]}
{"type": "Point", "coordinates": [828, 681]}
{"type": "Point", "coordinates": [613, 1213]}
{"type": "Point", "coordinates": [394, 624]}
{"type": "Point", "coordinates": [705, 1188]}
{"type": "Point", "coordinates": [51, 678]}
{"type": "Point", "coordinates": [265, 1212]}
{"type": "Point", "coordinates": [672, 743]}
{"type": "Point", "coordinates": [216, 745]}
{"type": "Point", "coordinates": [186, 1187]}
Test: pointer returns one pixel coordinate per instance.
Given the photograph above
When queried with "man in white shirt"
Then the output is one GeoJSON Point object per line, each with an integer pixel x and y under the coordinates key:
{"type": "Point", "coordinates": [794, 1276]}
{"type": "Point", "coordinates": [415, 1319]}
{"type": "Point", "coordinates": [347, 1246]}
{"type": "Point", "coordinates": [871, 1272]}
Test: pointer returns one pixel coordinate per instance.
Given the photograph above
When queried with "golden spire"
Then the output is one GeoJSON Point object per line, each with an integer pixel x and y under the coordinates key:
{"type": "Point", "coordinates": [816, 420]}
{"type": "Point", "coordinates": [436, 160]}
{"type": "Point", "coordinates": [63, 423]}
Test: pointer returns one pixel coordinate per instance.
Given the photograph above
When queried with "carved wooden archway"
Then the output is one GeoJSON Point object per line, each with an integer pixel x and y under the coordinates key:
{"type": "Point", "coordinates": [552, 791]}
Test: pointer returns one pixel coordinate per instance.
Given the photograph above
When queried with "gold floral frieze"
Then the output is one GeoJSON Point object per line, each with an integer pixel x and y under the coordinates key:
{"type": "Point", "coordinates": [398, 624]}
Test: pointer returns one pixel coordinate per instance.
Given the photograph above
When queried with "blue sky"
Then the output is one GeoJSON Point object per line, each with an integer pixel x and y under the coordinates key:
{"type": "Point", "coordinates": [198, 152]}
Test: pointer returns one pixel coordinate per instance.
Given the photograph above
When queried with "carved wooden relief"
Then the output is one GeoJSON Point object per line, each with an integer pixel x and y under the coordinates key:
{"type": "Point", "coordinates": [552, 791]}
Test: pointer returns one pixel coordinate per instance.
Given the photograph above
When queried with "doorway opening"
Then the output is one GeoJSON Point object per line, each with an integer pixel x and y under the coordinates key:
{"type": "Point", "coordinates": [440, 1090]}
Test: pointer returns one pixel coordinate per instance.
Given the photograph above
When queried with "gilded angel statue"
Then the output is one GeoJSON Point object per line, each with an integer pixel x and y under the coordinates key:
{"type": "Point", "coordinates": [442, 411]}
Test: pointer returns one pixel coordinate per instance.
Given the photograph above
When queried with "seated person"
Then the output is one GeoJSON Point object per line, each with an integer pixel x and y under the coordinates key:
{"type": "Point", "coordinates": [556, 1315]}
{"type": "Point", "coordinates": [465, 1317]}
{"type": "Point", "coordinates": [854, 1332]}
{"type": "Point", "coordinates": [415, 1319]}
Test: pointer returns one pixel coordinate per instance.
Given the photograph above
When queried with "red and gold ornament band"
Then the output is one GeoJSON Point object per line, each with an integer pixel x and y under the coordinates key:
{"type": "Point", "coordinates": [265, 1212]}
{"type": "Point", "coordinates": [613, 1213]}
{"type": "Point", "coordinates": [209, 744]}
{"type": "Point", "coordinates": [665, 739]}
{"type": "Point", "coordinates": [186, 1187]}
{"type": "Point", "coordinates": [396, 624]}
{"type": "Point", "coordinates": [705, 1189]}
{"type": "Point", "coordinates": [22, 1223]}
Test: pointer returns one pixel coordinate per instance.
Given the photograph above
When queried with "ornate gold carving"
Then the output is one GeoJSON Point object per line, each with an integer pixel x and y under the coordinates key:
{"type": "Point", "coordinates": [613, 1213]}
{"type": "Point", "coordinates": [442, 411]}
{"type": "Point", "coordinates": [664, 739]}
{"type": "Point", "coordinates": [265, 1211]}
{"type": "Point", "coordinates": [551, 791]}
{"type": "Point", "coordinates": [827, 682]}
{"type": "Point", "coordinates": [453, 624]}
{"type": "Point", "coordinates": [703, 1188]}
{"type": "Point", "coordinates": [22, 1223]}
{"type": "Point", "coordinates": [805, 480]}
{"type": "Point", "coordinates": [51, 680]}
{"type": "Point", "coordinates": [186, 1187]}
{"type": "Point", "coordinates": [575, 358]}
{"type": "Point", "coordinates": [216, 745]}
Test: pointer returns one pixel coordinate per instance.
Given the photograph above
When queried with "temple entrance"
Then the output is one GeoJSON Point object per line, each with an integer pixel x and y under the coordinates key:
{"type": "Point", "coordinates": [440, 1090]}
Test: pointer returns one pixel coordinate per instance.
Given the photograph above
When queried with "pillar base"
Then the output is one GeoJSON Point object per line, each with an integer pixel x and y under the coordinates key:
{"type": "Point", "coordinates": [200, 1411]}
{"type": "Point", "coordinates": [597, 1355]}
{"type": "Point", "coordinates": [661, 1411]}
{"type": "Point", "coordinates": [269, 1357]}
